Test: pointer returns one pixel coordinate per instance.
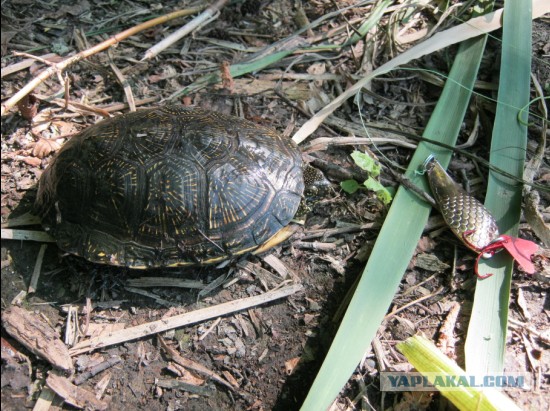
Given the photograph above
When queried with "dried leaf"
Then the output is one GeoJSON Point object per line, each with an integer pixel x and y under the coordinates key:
{"type": "Point", "coordinates": [39, 126]}
{"type": "Point", "coordinates": [64, 128]}
{"type": "Point", "coordinates": [31, 161]}
{"type": "Point", "coordinates": [75, 8]}
{"type": "Point", "coordinates": [291, 364]}
{"type": "Point", "coordinates": [45, 146]}
{"type": "Point", "coordinates": [42, 121]}
{"type": "Point", "coordinates": [227, 80]}
{"type": "Point", "coordinates": [317, 69]}
{"type": "Point", "coordinates": [28, 107]}
{"type": "Point", "coordinates": [425, 245]}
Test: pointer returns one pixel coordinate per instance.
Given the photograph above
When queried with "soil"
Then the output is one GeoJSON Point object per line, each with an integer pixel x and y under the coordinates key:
{"type": "Point", "coordinates": [270, 353]}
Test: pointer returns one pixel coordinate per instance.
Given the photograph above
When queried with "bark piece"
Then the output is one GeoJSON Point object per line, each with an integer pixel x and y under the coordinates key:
{"type": "Point", "coordinates": [37, 336]}
{"type": "Point", "coordinates": [73, 395]}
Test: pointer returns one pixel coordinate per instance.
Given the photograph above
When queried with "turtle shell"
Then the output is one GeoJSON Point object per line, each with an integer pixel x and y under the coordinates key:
{"type": "Point", "coordinates": [170, 186]}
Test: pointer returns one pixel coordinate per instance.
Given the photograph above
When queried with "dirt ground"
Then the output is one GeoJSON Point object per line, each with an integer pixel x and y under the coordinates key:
{"type": "Point", "coordinates": [271, 353]}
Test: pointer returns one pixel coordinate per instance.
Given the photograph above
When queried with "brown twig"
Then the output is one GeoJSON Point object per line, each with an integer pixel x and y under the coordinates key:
{"type": "Point", "coordinates": [192, 365]}
{"type": "Point", "coordinates": [102, 366]}
{"type": "Point", "coordinates": [37, 58]}
{"type": "Point", "coordinates": [123, 82]}
{"type": "Point", "coordinates": [417, 301]}
{"type": "Point", "coordinates": [330, 232]}
{"type": "Point", "coordinates": [62, 65]}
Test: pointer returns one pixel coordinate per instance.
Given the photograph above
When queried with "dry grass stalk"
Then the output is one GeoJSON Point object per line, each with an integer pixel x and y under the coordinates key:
{"type": "Point", "coordinates": [322, 143]}
{"type": "Point", "coordinates": [24, 64]}
{"type": "Point", "coordinates": [208, 15]}
{"type": "Point", "coordinates": [123, 83]}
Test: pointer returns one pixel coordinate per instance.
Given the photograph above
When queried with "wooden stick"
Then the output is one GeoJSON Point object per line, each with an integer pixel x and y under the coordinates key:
{"type": "Point", "coordinates": [165, 282]}
{"type": "Point", "coordinates": [27, 235]}
{"type": "Point", "coordinates": [37, 269]}
{"type": "Point", "coordinates": [181, 320]}
{"type": "Point", "coordinates": [45, 399]}
{"type": "Point", "coordinates": [22, 220]}
{"type": "Point", "coordinates": [102, 366]}
{"type": "Point", "coordinates": [55, 68]}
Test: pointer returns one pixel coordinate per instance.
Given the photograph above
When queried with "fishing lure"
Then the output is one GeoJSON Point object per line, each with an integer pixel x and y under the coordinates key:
{"type": "Point", "coordinates": [472, 222]}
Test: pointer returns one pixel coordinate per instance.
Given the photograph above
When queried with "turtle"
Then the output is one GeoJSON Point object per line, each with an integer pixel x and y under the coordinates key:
{"type": "Point", "coordinates": [172, 186]}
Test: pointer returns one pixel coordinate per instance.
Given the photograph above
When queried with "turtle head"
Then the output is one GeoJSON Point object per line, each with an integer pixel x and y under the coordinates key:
{"type": "Point", "coordinates": [316, 184]}
{"type": "Point", "coordinates": [316, 188]}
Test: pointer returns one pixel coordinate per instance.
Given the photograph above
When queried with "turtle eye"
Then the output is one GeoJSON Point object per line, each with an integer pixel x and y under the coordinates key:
{"type": "Point", "coordinates": [311, 191]}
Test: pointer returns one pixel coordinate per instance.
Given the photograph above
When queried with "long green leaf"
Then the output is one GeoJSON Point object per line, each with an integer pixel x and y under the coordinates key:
{"type": "Point", "coordinates": [486, 342]}
{"type": "Point", "coordinates": [426, 358]}
{"type": "Point", "coordinates": [397, 239]}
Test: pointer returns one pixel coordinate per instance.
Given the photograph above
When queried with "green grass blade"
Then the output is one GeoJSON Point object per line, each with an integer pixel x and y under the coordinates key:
{"type": "Point", "coordinates": [486, 342]}
{"type": "Point", "coordinates": [369, 23]}
{"type": "Point", "coordinates": [236, 70]}
{"type": "Point", "coordinates": [397, 239]}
